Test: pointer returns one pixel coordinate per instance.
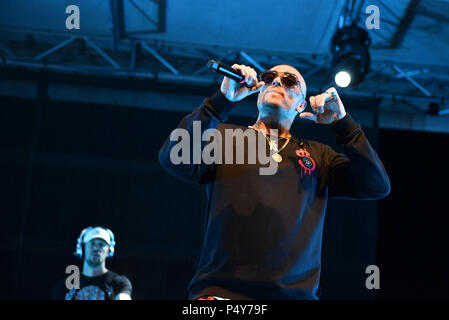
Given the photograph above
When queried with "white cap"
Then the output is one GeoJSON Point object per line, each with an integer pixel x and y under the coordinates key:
{"type": "Point", "coordinates": [97, 233]}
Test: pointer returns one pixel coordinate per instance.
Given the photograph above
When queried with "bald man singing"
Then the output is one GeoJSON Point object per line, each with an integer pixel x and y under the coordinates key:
{"type": "Point", "coordinates": [263, 232]}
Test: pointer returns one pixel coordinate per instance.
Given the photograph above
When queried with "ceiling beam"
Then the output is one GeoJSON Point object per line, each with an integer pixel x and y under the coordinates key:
{"type": "Point", "coordinates": [404, 24]}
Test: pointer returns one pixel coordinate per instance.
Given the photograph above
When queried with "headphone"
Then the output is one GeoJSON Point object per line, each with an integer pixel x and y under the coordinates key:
{"type": "Point", "coordinates": [79, 243]}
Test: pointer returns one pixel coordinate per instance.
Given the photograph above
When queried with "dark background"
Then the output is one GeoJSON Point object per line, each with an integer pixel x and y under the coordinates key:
{"type": "Point", "coordinates": [65, 166]}
{"type": "Point", "coordinates": [413, 221]}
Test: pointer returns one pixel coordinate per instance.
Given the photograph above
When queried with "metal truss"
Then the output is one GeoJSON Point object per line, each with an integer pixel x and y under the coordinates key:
{"type": "Point", "coordinates": [186, 63]}
{"type": "Point", "coordinates": [155, 23]}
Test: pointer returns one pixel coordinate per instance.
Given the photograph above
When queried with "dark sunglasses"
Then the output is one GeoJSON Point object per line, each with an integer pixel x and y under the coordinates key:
{"type": "Point", "coordinates": [288, 80]}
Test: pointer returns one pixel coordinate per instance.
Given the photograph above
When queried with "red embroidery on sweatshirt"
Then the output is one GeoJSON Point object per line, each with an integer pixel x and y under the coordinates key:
{"type": "Point", "coordinates": [307, 163]}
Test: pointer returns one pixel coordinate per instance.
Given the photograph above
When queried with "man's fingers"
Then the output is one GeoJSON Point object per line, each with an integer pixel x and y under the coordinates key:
{"type": "Point", "coordinates": [241, 69]}
{"type": "Point", "coordinates": [246, 74]}
{"type": "Point", "coordinates": [253, 75]}
{"type": "Point", "coordinates": [320, 102]}
{"type": "Point", "coordinates": [257, 87]}
{"type": "Point", "coordinates": [238, 67]}
{"type": "Point", "coordinates": [244, 71]}
{"type": "Point", "coordinates": [312, 103]}
{"type": "Point", "coordinates": [308, 116]}
{"type": "Point", "coordinates": [332, 91]}
{"type": "Point", "coordinates": [331, 94]}
{"type": "Point", "coordinates": [317, 103]}
{"type": "Point", "coordinates": [250, 76]}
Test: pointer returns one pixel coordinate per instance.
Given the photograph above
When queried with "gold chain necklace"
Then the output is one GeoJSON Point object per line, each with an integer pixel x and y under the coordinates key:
{"type": "Point", "coordinates": [273, 146]}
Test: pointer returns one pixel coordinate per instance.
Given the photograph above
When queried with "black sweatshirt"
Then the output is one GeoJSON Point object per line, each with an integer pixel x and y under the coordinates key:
{"type": "Point", "coordinates": [263, 233]}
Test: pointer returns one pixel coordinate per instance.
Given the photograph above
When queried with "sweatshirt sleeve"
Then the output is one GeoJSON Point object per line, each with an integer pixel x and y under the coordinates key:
{"type": "Point", "coordinates": [123, 285]}
{"type": "Point", "coordinates": [357, 173]}
{"type": "Point", "coordinates": [208, 115]}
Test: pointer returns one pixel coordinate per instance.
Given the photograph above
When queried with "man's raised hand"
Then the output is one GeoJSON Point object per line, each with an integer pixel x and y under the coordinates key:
{"type": "Point", "coordinates": [327, 107]}
{"type": "Point", "coordinates": [234, 91]}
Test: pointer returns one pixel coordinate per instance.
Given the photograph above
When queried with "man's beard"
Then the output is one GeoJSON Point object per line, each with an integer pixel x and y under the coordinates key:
{"type": "Point", "coordinates": [272, 120]}
{"type": "Point", "coordinates": [274, 124]}
{"type": "Point", "coordinates": [273, 111]}
{"type": "Point", "coordinates": [93, 262]}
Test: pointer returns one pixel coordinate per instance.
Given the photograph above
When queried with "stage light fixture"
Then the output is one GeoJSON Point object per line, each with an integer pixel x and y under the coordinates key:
{"type": "Point", "coordinates": [342, 79]}
{"type": "Point", "coordinates": [350, 55]}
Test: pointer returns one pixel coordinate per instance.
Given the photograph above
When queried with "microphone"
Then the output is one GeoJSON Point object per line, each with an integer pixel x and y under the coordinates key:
{"type": "Point", "coordinates": [227, 71]}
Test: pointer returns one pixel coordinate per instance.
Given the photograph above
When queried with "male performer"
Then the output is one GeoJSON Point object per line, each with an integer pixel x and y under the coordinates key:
{"type": "Point", "coordinates": [263, 232]}
{"type": "Point", "coordinates": [94, 245]}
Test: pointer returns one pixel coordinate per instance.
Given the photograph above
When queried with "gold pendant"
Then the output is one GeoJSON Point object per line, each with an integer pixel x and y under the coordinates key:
{"type": "Point", "coordinates": [277, 157]}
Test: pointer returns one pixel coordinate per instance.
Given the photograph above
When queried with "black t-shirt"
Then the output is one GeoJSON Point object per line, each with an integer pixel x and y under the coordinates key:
{"type": "Point", "coordinates": [103, 287]}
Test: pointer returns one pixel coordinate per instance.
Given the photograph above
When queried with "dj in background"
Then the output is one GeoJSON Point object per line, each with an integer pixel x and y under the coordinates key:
{"type": "Point", "coordinates": [94, 246]}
